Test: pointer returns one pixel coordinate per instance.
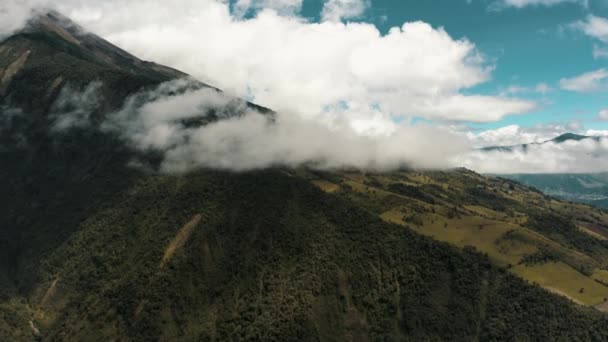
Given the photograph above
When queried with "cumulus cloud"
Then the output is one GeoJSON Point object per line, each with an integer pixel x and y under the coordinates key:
{"type": "Point", "coordinates": [540, 154]}
{"type": "Point", "coordinates": [336, 10]}
{"type": "Point", "coordinates": [589, 82]}
{"type": "Point", "coordinates": [603, 114]}
{"type": "Point", "coordinates": [186, 129]}
{"type": "Point", "coordinates": [287, 63]}
{"type": "Point", "coordinates": [594, 26]}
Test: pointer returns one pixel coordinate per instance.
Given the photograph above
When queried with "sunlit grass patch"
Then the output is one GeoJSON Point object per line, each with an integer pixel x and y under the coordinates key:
{"type": "Point", "coordinates": [569, 282]}
{"type": "Point", "coordinates": [326, 186]}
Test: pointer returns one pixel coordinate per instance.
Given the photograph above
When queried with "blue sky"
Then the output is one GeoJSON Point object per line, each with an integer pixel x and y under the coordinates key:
{"type": "Point", "coordinates": [528, 46]}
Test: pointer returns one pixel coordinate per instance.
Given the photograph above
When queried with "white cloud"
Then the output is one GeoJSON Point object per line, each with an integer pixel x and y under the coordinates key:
{"type": "Point", "coordinates": [336, 10]}
{"type": "Point", "coordinates": [596, 133]}
{"type": "Point", "coordinates": [13, 15]}
{"type": "Point", "coordinates": [592, 81]}
{"type": "Point", "coordinates": [600, 52]}
{"type": "Point", "coordinates": [155, 120]}
{"type": "Point", "coordinates": [583, 156]}
{"type": "Point", "coordinates": [289, 64]}
{"type": "Point", "coordinates": [603, 114]}
{"type": "Point", "coordinates": [594, 26]}
{"type": "Point", "coordinates": [516, 135]}
{"type": "Point", "coordinates": [540, 155]}
{"type": "Point", "coordinates": [501, 4]}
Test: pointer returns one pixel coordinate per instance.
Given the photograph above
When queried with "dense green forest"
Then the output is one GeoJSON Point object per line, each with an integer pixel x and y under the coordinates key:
{"type": "Point", "coordinates": [275, 258]}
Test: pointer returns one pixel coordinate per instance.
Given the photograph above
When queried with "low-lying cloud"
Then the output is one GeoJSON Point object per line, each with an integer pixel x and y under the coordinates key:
{"type": "Point", "coordinates": [345, 94]}
{"type": "Point", "coordinates": [191, 126]}
{"type": "Point", "coordinates": [206, 128]}
{"type": "Point", "coordinates": [585, 156]}
{"type": "Point", "coordinates": [74, 108]}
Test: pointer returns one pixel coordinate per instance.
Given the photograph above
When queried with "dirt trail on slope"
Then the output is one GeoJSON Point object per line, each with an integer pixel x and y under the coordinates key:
{"type": "Point", "coordinates": [49, 293]}
{"type": "Point", "coordinates": [180, 239]}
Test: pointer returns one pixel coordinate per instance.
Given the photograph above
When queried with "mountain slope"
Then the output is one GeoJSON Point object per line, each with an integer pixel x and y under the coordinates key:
{"type": "Point", "coordinates": [94, 249]}
{"type": "Point", "coordinates": [274, 258]}
{"type": "Point", "coordinates": [587, 188]}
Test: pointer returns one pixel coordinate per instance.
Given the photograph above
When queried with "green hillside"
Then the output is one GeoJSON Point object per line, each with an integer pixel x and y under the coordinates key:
{"type": "Point", "coordinates": [272, 257]}
{"type": "Point", "coordinates": [95, 249]}
{"type": "Point", "coordinates": [590, 188]}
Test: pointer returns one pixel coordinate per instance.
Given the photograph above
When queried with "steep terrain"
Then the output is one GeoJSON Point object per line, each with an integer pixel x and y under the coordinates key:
{"type": "Point", "coordinates": [590, 188]}
{"type": "Point", "coordinates": [94, 249]}
{"type": "Point", "coordinates": [562, 247]}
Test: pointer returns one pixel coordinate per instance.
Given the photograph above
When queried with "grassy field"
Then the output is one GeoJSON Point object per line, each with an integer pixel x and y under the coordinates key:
{"type": "Point", "coordinates": [327, 186]}
{"type": "Point", "coordinates": [503, 234]}
{"type": "Point", "coordinates": [566, 280]}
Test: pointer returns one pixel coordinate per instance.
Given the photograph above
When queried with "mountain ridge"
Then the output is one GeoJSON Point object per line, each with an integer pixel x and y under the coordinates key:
{"type": "Point", "coordinates": [95, 249]}
{"type": "Point", "coordinates": [558, 140]}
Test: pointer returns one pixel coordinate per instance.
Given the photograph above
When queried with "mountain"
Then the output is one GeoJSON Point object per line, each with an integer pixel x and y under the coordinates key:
{"type": "Point", "coordinates": [558, 140]}
{"type": "Point", "coordinates": [590, 188]}
{"type": "Point", "coordinates": [95, 249]}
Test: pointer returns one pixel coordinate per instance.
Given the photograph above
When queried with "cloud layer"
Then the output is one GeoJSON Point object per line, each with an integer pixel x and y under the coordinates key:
{"type": "Point", "coordinates": [243, 139]}
{"type": "Point", "coordinates": [583, 156]}
{"type": "Point", "coordinates": [345, 93]}
{"type": "Point", "coordinates": [284, 62]}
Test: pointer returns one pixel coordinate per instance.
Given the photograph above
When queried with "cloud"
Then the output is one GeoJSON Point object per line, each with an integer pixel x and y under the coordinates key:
{"type": "Point", "coordinates": [603, 114]}
{"type": "Point", "coordinates": [502, 4]}
{"type": "Point", "coordinates": [540, 88]}
{"type": "Point", "coordinates": [13, 15]}
{"type": "Point", "coordinates": [584, 156]}
{"type": "Point", "coordinates": [593, 81]}
{"type": "Point", "coordinates": [593, 26]}
{"type": "Point", "coordinates": [336, 10]}
{"type": "Point", "coordinates": [596, 133]}
{"type": "Point", "coordinates": [540, 155]}
{"type": "Point", "coordinates": [74, 108]}
{"type": "Point", "coordinates": [285, 62]}
{"type": "Point", "coordinates": [283, 7]}
{"type": "Point", "coordinates": [244, 139]}
{"type": "Point", "coordinates": [600, 52]}
{"type": "Point", "coordinates": [516, 135]}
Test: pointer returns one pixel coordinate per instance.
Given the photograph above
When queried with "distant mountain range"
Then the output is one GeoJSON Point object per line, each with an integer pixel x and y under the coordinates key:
{"type": "Point", "coordinates": [590, 188]}
{"type": "Point", "coordinates": [560, 139]}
